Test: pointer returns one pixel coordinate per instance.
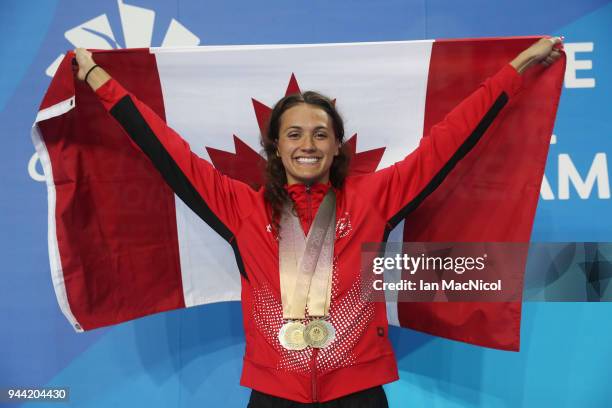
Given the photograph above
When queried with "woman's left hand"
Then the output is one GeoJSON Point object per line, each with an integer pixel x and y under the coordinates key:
{"type": "Point", "coordinates": [545, 51]}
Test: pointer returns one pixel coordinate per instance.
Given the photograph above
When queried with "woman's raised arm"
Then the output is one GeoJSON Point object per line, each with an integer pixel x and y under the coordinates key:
{"type": "Point", "coordinates": [220, 201]}
{"type": "Point", "coordinates": [405, 184]}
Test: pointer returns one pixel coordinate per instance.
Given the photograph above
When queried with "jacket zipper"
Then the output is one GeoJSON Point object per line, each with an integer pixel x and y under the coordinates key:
{"type": "Point", "coordinates": [313, 368]}
{"type": "Point", "coordinates": [309, 195]}
{"type": "Point", "coordinates": [313, 363]}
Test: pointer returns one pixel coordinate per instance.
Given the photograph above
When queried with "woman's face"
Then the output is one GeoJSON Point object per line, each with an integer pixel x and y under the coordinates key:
{"type": "Point", "coordinates": [307, 144]}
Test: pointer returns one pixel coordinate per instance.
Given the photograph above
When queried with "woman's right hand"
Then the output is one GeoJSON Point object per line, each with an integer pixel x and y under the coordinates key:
{"type": "Point", "coordinates": [97, 77]}
{"type": "Point", "coordinates": [85, 61]}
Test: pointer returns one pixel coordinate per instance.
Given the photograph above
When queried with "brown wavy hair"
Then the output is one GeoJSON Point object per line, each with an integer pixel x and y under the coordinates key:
{"type": "Point", "coordinates": [275, 175]}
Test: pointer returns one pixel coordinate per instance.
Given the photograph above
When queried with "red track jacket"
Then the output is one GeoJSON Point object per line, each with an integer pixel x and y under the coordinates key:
{"type": "Point", "coordinates": [368, 207]}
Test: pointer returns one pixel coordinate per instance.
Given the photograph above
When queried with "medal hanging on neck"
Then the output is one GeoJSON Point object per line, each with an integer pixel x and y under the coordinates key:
{"type": "Point", "coordinates": [305, 265]}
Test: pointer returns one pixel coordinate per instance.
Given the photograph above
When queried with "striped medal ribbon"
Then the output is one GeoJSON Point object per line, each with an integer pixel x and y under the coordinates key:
{"type": "Point", "coordinates": [305, 264]}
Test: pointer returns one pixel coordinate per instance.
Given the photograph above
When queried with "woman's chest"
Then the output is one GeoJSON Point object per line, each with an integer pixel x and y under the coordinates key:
{"type": "Point", "coordinates": [354, 225]}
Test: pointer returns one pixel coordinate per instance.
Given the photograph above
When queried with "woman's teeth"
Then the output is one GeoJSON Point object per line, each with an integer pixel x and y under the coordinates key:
{"type": "Point", "coordinates": [307, 160]}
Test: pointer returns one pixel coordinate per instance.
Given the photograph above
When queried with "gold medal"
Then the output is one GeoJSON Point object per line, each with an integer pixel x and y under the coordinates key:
{"type": "Point", "coordinates": [291, 336]}
{"type": "Point", "coordinates": [319, 333]}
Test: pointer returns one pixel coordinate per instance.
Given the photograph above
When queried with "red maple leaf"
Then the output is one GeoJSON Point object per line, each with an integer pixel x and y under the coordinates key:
{"type": "Point", "coordinates": [245, 165]}
{"type": "Point", "coordinates": [362, 162]}
{"type": "Point", "coordinates": [248, 166]}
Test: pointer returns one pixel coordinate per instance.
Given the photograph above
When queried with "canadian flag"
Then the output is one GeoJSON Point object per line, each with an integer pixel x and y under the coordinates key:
{"type": "Point", "coordinates": [123, 246]}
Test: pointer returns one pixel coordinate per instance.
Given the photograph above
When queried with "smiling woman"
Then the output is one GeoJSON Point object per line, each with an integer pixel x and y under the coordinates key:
{"type": "Point", "coordinates": [312, 336]}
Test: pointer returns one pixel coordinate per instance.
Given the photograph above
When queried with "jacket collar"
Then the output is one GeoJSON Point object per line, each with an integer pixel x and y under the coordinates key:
{"type": "Point", "coordinates": [306, 200]}
{"type": "Point", "coordinates": [299, 192]}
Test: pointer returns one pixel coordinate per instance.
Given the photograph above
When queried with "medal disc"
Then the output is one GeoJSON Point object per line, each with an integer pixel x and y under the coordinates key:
{"type": "Point", "coordinates": [291, 336]}
{"type": "Point", "coordinates": [319, 333]}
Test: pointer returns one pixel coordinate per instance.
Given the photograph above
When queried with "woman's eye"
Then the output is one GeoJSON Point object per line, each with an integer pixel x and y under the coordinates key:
{"type": "Point", "coordinates": [293, 135]}
{"type": "Point", "coordinates": [321, 135]}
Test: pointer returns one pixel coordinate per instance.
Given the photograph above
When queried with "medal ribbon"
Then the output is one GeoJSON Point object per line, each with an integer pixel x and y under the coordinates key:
{"type": "Point", "coordinates": [305, 263]}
